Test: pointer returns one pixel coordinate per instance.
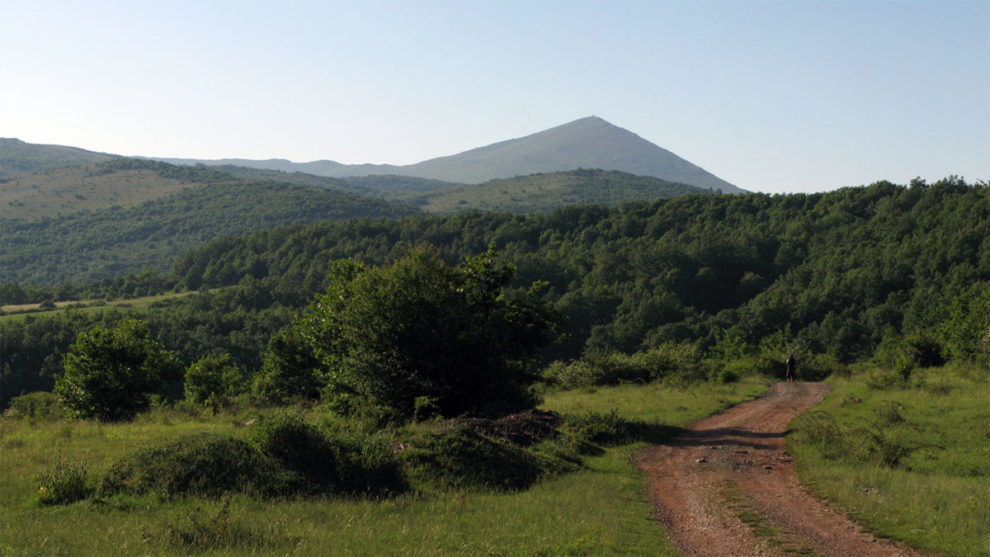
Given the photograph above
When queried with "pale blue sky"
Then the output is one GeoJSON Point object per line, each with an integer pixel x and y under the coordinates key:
{"type": "Point", "coordinates": [772, 96]}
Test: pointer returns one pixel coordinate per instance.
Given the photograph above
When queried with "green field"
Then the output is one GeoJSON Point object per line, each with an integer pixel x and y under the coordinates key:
{"type": "Point", "coordinates": [22, 311]}
{"type": "Point", "coordinates": [910, 460]}
{"type": "Point", "coordinates": [600, 509]}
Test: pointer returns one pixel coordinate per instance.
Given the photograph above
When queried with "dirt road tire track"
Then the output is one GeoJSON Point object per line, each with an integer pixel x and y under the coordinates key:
{"type": "Point", "coordinates": [734, 467]}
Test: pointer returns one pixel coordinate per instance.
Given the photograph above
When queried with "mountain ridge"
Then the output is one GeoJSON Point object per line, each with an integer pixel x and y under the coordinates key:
{"type": "Point", "coordinates": [586, 143]}
{"type": "Point", "coordinates": [589, 142]}
{"type": "Point", "coordinates": [18, 156]}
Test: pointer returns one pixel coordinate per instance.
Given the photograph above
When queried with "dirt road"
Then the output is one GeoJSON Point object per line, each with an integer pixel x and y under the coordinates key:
{"type": "Point", "coordinates": [727, 486]}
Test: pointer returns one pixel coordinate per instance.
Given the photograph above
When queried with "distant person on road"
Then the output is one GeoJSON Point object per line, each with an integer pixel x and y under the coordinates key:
{"type": "Point", "coordinates": [790, 363]}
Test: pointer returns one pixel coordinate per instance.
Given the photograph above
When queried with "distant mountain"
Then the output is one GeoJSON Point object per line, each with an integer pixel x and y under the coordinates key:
{"type": "Point", "coordinates": [17, 156]}
{"type": "Point", "coordinates": [586, 143]}
{"type": "Point", "coordinates": [545, 192]}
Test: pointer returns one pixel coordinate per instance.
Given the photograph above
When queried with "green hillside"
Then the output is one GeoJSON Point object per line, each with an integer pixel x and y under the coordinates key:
{"type": "Point", "coordinates": [388, 186]}
{"type": "Point", "coordinates": [535, 193]}
{"type": "Point", "coordinates": [85, 246]}
{"type": "Point", "coordinates": [542, 193]}
{"type": "Point", "coordinates": [114, 183]}
{"type": "Point", "coordinates": [17, 157]}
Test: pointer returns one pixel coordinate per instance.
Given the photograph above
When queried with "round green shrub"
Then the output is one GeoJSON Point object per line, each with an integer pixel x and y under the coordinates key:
{"type": "Point", "coordinates": [201, 464]}
{"type": "Point", "coordinates": [458, 457]}
{"type": "Point", "coordinates": [299, 446]}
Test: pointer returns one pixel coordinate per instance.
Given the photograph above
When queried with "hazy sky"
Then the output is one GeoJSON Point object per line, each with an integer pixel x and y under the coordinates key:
{"type": "Point", "coordinates": [772, 96]}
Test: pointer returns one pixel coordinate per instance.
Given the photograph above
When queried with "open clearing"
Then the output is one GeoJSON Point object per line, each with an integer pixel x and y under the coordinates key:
{"type": "Point", "coordinates": [727, 486]}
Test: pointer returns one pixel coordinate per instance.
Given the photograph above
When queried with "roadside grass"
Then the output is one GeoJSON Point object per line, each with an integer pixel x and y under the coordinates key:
{"type": "Point", "coordinates": [910, 460]}
{"type": "Point", "coordinates": [599, 509]}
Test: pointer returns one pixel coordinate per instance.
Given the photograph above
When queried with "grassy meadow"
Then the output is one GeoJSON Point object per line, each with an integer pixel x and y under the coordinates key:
{"type": "Point", "coordinates": [908, 459]}
{"type": "Point", "coordinates": [20, 312]}
{"type": "Point", "coordinates": [599, 509]}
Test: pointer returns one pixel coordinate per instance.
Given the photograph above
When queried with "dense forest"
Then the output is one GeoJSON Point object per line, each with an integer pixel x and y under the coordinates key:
{"type": "Point", "coordinates": [895, 274]}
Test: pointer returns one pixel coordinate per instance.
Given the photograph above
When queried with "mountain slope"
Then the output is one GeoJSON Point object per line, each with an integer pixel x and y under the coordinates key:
{"type": "Point", "coordinates": [117, 182]}
{"type": "Point", "coordinates": [386, 186]}
{"type": "Point", "coordinates": [84, 246]}
{"type": "Point", "coordinates": [17, 156]}
{"type": "Point", "coordinates": [542, 193]}
{"type": "Point", "coordinates": [586, 143]}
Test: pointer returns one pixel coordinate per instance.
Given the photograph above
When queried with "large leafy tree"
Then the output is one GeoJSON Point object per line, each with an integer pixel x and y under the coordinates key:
{"type": "Point", "coordinates": [110, 372]}
{"type": "Point", "coordinates": [387, 336]}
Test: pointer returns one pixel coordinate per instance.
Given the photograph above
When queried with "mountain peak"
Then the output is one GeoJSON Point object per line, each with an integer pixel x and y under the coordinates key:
{"type": "Point", "coordinates": [588, 142]}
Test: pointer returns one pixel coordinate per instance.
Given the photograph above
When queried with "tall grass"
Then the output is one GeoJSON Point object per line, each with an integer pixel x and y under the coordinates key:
{"type": "Point", "coordinates": [908, 459]}
{"type": "Point", "coordinates": [599, 510]}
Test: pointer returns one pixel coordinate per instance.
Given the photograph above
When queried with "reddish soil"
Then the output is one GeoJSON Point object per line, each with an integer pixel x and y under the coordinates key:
{"type": "Point", "coordinates": [727, 486]}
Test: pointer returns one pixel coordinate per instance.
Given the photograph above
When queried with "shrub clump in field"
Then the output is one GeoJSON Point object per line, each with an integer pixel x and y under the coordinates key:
{"type": "Point", "coordinates": [298, 446]}
{"type": "Point", "coordinates": [455, 455]}
{"type": "Point", "coordinates": [65, 482]}
{"type": "Point", "coordinates": [601, 368]}
{"type": "Point", "coordinates": [605, 429]}
{"type": "Point", "coordinates": [341, 460]}
{"type": "Point", "coordinates": [38, 406]}
{"type": "Point", "coordinates": [202, 464]}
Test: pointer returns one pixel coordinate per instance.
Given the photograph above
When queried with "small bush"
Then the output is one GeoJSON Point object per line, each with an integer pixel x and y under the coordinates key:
{"type": "Point", "coordinates": [459, 457]}
{"type": "Point", "coordinates": [425, 408]}
{"type": "Point", "coordinates": [607, 429]}
{"type": "Point", "coordinates": [595, 370]}
{"type": "Point", "coordinates": [298, 446]}
{"type": "Point", "coordinates": [202, 464]}
{"type": "Point", "coordinates": [883, 379]}
{"type": "Point", "coordinates": [63, 483]}
{"type": "Point", "coordinates": [345, 459]}
{"type": "Point", "coordinates": [366, 464]}
{"type": "Point", "coordinates": [41, 406]}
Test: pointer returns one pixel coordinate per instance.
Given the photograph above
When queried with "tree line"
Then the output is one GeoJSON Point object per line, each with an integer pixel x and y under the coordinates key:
{"type": "Point", "coordinates": [899, 275]}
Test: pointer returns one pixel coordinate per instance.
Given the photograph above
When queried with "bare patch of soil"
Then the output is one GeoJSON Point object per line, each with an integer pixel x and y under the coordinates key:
{"type": "Point", "coordinates": [727, 486]}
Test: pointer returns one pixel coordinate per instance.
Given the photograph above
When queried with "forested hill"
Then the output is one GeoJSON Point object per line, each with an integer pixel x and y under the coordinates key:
{"type": "Point", "coordinates": [842, 273]}
{"type": "Point", "coordinates": [85, 246]}
{"type": "Point", "coordinates": [899, 275]}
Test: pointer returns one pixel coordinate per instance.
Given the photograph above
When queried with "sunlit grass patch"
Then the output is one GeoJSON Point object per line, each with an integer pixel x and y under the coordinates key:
{"type": "Point", "coordinates": [599, 509]}
{"type": "Point", "coordinates": [908, 459]}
